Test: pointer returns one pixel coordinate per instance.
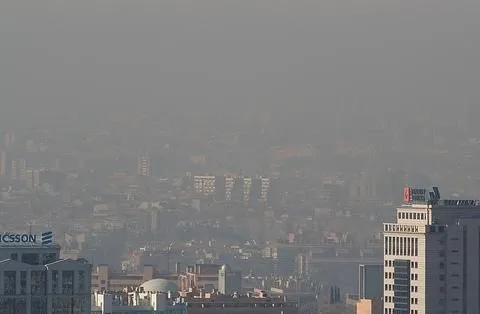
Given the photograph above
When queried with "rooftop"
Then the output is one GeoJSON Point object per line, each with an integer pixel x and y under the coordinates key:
{"type": "Point", "coordinates": [423, 198]}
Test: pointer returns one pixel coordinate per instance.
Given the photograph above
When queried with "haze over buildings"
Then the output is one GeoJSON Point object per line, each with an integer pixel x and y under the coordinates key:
{"type": "Point", "coordinates": [274, 137]}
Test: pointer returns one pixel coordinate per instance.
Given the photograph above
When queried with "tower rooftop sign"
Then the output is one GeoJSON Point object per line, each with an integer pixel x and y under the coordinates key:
{"type": "Point", "coordinates": [423, 196]}
{"type": "Point", "coordinates": [414, 195]}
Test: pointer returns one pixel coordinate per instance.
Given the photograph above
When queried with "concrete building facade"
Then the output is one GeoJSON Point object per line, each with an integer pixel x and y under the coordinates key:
{"type": "Point", "coordinates": [370, 281]}
{"type": "Point", "coordinates": [199, 276]}
{"type": "Point", "coordinates": [431, 260]}
{"type": "Point", "coordinates": [369, 306]}
{"type": "Point", "coordinates": [229, 281]}
{"type": "Point", "coordinates": [36, 281]}
{"type": "Point", "coordinates": [105, 279]}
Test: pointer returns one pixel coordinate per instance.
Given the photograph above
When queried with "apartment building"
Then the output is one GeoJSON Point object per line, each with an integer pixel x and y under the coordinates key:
{"type": "Point", "coordinates": [230, 188]}
{"type": "Point", "coordinates": [203, 276]}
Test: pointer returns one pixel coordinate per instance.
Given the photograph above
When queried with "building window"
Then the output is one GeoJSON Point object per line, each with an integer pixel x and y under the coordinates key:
{"type": "Point", "coordinates": [10, 282]}
{"type": "Point", "coordinates": [38, 284]}
{"type": "Point", "coordinates": [390, 245]}
{"type": "Point", "coordinates": [442, 277]}
{"type": "Point", "coordinates": [81, 281]}
{"type": "Point", "coordinates": [49, 258]}
{"type": "Point", "coordinates": [31, 258]}
{"type": "Point", "coordinates": [23, 282]}
{"type": "Point", "coordinates": [397, 245]}
{"type": "Point", "coordinates": [54, 281]}
{"type": "Point", "coordinates": [67, 281]}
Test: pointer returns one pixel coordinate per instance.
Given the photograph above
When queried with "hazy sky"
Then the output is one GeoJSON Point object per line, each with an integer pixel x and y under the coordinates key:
{"type": "Point", "coordinates": [315, 58]}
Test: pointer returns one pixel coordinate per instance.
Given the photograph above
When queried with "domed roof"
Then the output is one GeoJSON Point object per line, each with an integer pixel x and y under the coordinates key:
{"type": "Point", "coordinates": [159, 285]}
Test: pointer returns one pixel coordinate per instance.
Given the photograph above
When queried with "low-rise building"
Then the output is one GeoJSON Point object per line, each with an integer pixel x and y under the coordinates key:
{"type": "Point", "coordinates": [369, 306]}
{"type": "Point", "coordinates": [252, 304]}
{"type": "Point", "coordinates": [138, 302]}
{"type": "Point", "coordinates": [203, 276]}
{"type": "Point", "coordinates": [104, 278]}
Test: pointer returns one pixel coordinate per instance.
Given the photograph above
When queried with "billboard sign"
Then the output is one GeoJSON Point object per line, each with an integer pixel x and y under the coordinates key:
{"type": "Point", "coordinates": [45, 238]}
{"type": "Point", "coordinates": [418, 195]}
{"type": "Point", "coordinates": [406, 195]}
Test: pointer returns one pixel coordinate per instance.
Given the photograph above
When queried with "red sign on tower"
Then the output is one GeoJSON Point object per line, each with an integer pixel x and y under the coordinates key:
{"type": "Point", "coordinates": [406, 195]}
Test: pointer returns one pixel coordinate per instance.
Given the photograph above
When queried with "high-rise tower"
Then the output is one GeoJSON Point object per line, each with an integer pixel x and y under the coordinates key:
{"type": "Point", "coordinates": [143, 165]}
{"type": "Point", "coordinates": [431, 255]}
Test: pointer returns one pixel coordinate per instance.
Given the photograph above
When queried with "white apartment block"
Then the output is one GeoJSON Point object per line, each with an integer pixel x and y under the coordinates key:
{"type": "Point", "coordinates": [143, 166]}
{"type": "Point", "coordinates": [265, 187]}
{"type": "Point", "coordinates": [432, 256]}
{"type": "Point", "coordinates": [205, 185]}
